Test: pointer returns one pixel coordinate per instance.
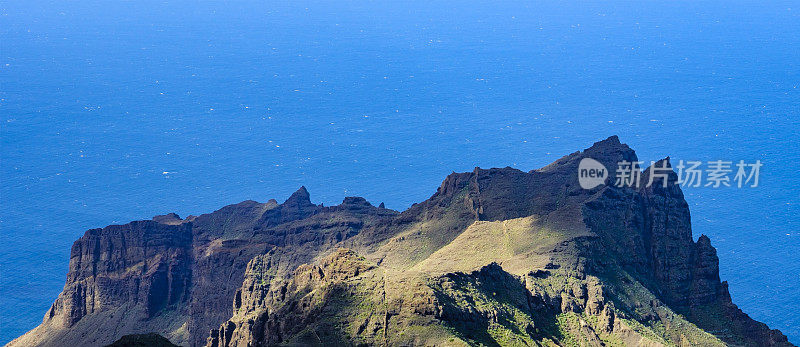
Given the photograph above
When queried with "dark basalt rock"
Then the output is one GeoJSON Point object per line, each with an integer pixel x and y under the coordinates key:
{"type": "Point", "coordinates": [145, 263]}
{"type": "Point", "coordinates": [169, 218]}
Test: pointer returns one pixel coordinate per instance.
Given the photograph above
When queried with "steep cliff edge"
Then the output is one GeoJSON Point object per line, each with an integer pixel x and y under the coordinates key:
{"type": "Point", "coordinates": [495, 256]}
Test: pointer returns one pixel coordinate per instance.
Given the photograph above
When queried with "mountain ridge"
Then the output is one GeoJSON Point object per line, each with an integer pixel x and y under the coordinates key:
{"type": "Point", "coordinates": [602, 266]}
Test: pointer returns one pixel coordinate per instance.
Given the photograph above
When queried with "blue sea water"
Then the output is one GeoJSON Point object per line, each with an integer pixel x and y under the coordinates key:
{"type": "Point", "coordinates": [112, 111]}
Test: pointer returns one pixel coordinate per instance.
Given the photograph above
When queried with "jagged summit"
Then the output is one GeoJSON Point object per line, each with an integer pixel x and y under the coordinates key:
{"type": "Point", "coordinates": [610, 142]}
{"type": "Point", "coordinates": [169, 218]}
{"type": "Point", "coordinates": [301, 196]}
{"type": "Point", "coordinates": [494, 256]}
{"type": "Point", "coordinates": [356, 201]}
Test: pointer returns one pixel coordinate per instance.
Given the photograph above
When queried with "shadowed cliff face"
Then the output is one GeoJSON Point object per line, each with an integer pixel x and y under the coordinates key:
{"type": "Point", "coordinates": [145, 264]}
{"type": "Point", "coordinates": [497, 256]}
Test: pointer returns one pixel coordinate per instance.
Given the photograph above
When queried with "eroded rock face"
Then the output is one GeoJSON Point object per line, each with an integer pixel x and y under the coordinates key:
{"type": "Point", "coordinates": [347, 300]}
{"type": "Point", "coordinates": [146, 264]}
{"type": "Point", "coordinates": [169, 218]}
{"type": "Point", "coordinates": [270, 311]}
{"type": "Point", "coordinates": [603, 265]}
{"type": "Point", "coordinates": [652, 227]}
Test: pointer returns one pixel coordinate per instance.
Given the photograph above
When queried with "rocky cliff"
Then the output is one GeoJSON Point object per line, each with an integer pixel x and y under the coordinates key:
{"type": "Point", "coordinates": [497, 256]}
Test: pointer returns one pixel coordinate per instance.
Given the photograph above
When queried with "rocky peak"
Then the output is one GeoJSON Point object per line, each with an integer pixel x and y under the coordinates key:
{"type": "Point", "coordinates": [298, 204]}
{"type": "Point", "coordinates": [355, 203]}
{"type": "Point", "coordinates": [453, 184]}
{"type": "Point", "coordinates": [299, 197]}
{"type": "Point", "coordinates": [706, 286]}
{"type": "Point", "coordinates": [610, 145]}
{"type": "Point", "coordinates": [296, 207]}
{"type": "Point", "coordinates": [169, 218]}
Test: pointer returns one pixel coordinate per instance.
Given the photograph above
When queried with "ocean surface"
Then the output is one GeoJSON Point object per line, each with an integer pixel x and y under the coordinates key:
{"type": "Point", "coordinates": [112, 111]}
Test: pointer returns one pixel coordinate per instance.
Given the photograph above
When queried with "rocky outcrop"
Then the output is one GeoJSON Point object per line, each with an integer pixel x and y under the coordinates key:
{"type": "Point", "coordinates": [495, 256]}
{"type": "Point", "coordinates": [135, 272]}
{"type": "Point", "coordinates": [169, 218]}
{"type": "Point", "coordinates": [270, 311]}
{"type": "Point", "coordinates": [647, 231]}
{"type": "Point", "coordinates": [346, 300]}
{"type": "Point", "coordinates": [144, 264]}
